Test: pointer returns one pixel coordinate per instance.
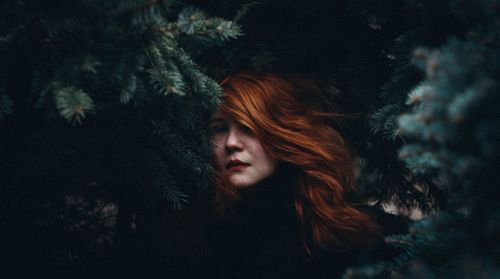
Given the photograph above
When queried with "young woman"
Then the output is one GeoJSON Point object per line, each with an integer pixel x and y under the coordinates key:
{"type": "Point", "coordinates": [282, 174]}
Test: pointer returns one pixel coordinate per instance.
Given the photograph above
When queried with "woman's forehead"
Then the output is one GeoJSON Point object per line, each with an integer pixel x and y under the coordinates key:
{"type": "Point", "coordinates": [228, 113]}
{"type": "Point", "coordinates": [226, 119]}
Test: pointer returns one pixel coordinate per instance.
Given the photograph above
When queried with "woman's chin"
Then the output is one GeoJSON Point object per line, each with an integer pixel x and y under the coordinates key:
{"type": "Point", "coordinates": [246, 179]}
{"type": "Point", "coordinates": [241, 182]}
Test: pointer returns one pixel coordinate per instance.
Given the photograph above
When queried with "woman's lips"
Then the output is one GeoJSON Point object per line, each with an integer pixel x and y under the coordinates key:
{"type": "Point", "coordinates": [236, 165]}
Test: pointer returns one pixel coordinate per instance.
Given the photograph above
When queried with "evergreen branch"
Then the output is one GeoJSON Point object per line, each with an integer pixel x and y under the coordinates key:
{"type": "Point", "coordinates": [201, 83]}
{"type": "Point", "coordinates": [129, 89]}
{"type": "Point", "coordinates": [193, 22]}
{"type": "Point", "coordinates": [174, 195]}
{"type": "Point", "coordinates": [164, 74]}
{"type": "Point", "coordinates": [73, 104]}
{"type": "Point", "coordinates": [398, 241]}
{"type": "Point", "coordinates": [166, 188]}
{"type": "Point", "coordinates": [190, 19]}
{"type": "Point", "coordinates": [385, 121]}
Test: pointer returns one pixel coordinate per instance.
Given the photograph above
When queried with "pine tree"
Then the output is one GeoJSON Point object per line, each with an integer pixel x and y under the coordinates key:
{"type": "Point", "coordinates": [103, 116]}
{"type": "Point", "coordinates": [446, 127]}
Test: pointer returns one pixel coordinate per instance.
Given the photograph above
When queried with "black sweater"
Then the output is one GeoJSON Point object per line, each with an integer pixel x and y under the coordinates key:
{"type": "Point", "coordinates": [261, 239]}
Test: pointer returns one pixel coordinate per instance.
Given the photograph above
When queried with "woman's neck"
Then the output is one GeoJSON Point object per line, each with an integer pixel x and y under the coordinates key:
{"type": "Point", "coordinates": [267, 197]}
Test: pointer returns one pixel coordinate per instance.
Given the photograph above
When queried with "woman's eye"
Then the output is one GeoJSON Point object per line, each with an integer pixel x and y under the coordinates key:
{"type": "Point", "coordinates": [245, 129]}
{"type": "Point", "coordinates": [217, 129]}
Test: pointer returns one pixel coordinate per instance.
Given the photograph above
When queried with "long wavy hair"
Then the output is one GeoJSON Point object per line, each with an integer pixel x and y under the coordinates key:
{"type": "Point", "coordinates": [288, 116]}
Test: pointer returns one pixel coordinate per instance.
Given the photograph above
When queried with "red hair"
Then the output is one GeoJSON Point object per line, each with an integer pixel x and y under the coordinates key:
{"type": "Point", "coordinates": [286, 116]}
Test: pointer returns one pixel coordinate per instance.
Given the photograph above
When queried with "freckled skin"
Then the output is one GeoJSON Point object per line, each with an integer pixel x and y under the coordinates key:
{"type": "Point", "coordinates": [233, 141]}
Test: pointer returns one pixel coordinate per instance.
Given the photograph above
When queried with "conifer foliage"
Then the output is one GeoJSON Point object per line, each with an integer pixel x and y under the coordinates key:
{"type": "Point", "coordinates": [103, 116]}
{"type": "Point", "coordinates": [447, 127]}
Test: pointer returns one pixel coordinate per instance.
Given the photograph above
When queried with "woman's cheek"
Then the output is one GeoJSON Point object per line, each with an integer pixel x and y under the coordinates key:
{"type": "Point", "coordinates": [219, 154]}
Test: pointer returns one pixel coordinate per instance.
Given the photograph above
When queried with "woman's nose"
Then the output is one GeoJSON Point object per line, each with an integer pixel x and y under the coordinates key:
{"type": "Point", "coordinates": [233, 140]}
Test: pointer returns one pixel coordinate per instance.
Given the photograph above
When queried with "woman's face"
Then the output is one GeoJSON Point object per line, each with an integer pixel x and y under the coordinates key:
{"type": "Point", "coordinates": [239, 155]}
